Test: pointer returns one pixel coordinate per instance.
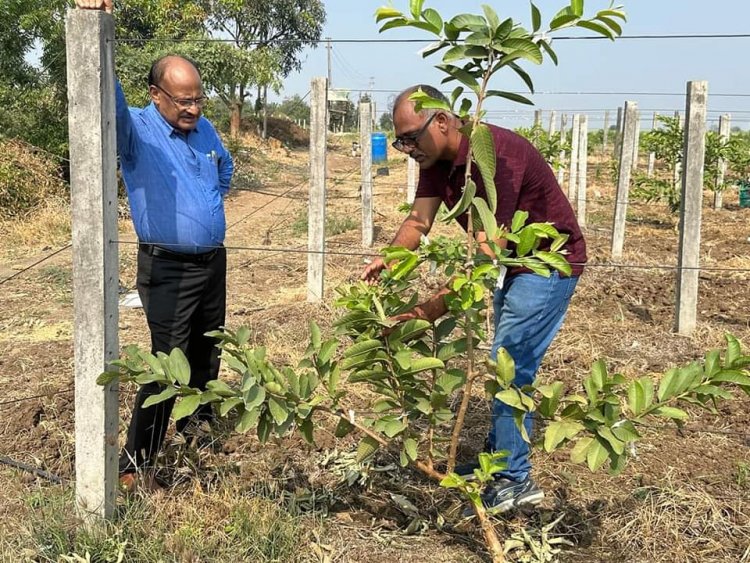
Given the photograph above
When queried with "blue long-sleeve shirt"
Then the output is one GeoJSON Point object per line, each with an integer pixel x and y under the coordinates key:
{"type": "Point", "coordinates": [176, 182]}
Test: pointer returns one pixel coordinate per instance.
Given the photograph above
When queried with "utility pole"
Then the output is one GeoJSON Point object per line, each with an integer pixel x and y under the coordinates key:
{"type": "Point", "coordinates": [328, 47]}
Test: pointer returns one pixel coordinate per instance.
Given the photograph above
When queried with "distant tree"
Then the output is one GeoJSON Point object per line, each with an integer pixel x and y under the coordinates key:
{"type": "Point", "coordinates": [293, 108]}
{"type": "Point", "coordinates": [266, 38]}
{"type": "Point", "coordinates": [386, 121]}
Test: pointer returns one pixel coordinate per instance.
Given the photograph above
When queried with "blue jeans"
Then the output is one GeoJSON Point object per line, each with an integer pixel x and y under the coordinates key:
{"type": "Point", "coordinates": [529, 310]}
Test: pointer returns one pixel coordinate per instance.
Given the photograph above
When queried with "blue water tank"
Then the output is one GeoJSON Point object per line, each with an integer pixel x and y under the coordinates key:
{"type": "Point", "coordinates": [379, 147]}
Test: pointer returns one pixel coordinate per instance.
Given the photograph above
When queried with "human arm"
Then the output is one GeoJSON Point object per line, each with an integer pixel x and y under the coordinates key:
{"type": "Point", "coordinates": [417, 223]}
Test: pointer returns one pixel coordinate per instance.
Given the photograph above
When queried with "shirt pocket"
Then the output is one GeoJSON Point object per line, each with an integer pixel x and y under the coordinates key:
{"type": "Point", "coordinates": [210, 169]}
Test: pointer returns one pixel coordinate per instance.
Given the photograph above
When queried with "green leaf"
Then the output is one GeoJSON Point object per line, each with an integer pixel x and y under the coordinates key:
{"type": "Point", "coordinates": [363, 348]}
{"type": "Point", "coordinates": [264, 428]}
{"type": "Point", "coordinates": [580, 450]}
{"type": "Point", "coordinates": [561, 21]}
{"type": "Point", "coordinates": [254, 396]}
{"type": "Point", "coordinates": [424, 364]}
{"type": "Point", "coordinates": [243, 335]}
{"type": "Point", "coordinates": [468, 22]}
{"type": "Point", "coordinates": [559, 431]}
{"type": "Point", "coordinates": [734, 350]}
{"type": "Point", "coordinates": [278, 409]}
{"type": "Point", "coordinates": [306, 429]}
{"type": "Point", "coordinates": [731, 376]}
{"type": "Point", "coordinates": [397, 22]}
{"type": "Point", "coordinates": [247, 420]}
{"type": "Point", "coordinates": [315, 335]}
{"type": "Point", "coordinates": [386, 12]}
{"type": "Point", "coordinates": [463, 76]}
{"type": "Point", "coordinates": [626, 431]}
{"type": "Point", "coordinates": [617, 445]}
{"type": "Point", "coordinates": [450, 380]}
{"type": "Point", "coordinates": [228, 405]}
{"type": "Point", "coordinates": [326, 351]}
{"type": "Point", "coordinates": [415, 7]}
{"type": "Point", "coordinates": [492, 18]}
{"type": "Point", "coordinates": [367, 448]}
{"type": "Point", "coordinates": [451, 349]}
{"type": "Point", "coordinates": [453, 481]}
{"type": "Point", "coordinates": [596, 455]}
{"type": "Point", "coordinates": [220, 388]}
{"type": "Point", "coordinates": [536, 18]}
{"type": "Point", "coordinates": [599, 374]}
{"type": "Point", "coordinates": [186, 406]}
{"type": "Point", "coordinates": [549, 50]}
{"type": "Point", "coordinates": [597, 28]}
{"type": "Point", "coordinates": [394, 428]}
{"type": "Point", "coordinates": [527, 241]}
{"type": "Point", "coordinates": [180, 368]}
{"type": "Point", "coordinates": [640, 395]}
{"type": "Point", "coordinates": [463, 204]}
{"type": "Point", "coordinates": [524, 48]}
{"type": "Point", "coordinates": [505, 368]}
{"type": "Point", "coordinates": [408, 330]}
{"type": "Point", "coordinates": [611, 24]}
{"type": "Point", "coordinates": [483, 153]}
{"type": "Point", "coordinates": [434, 19]}
{"type": "Point", "coordinates": [668, 385]}
{"type": "Point", "coordinates": [410, 447]}
{"type": "Point", "coordinates": [512, 96]}
{"type": "Point", "coordinates": [576, 7]}
{"type": "Point", "coordinates": [557, 261]}
{"type": "Point", "coordinates": [489, 222]}
{"type": "Point", "coordinates": [107, 377]}
{"type": "Point", "coordinates": [168, 393]}
{"type": "Point", "coordinates": [671, 412]}
{"type": "Point", "coordinates": [613, 13]}
{"type": "Point", "coordinates": [454, 54]}
{"type": "Point", "coordinates": [519, 220]}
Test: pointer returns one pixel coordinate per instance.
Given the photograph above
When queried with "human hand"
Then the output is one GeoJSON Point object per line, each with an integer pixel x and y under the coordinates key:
{"type": "Point", "coordinates": [371, 273]}
{"type": "Point", "coordinates": [105, 5]}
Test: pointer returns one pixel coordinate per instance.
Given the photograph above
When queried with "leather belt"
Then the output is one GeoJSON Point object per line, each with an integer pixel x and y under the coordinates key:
{"type": "Point", "coordinates": [153, 250]}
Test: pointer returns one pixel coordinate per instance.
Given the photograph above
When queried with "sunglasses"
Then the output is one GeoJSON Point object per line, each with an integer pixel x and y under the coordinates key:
{"type": "Point", "coordinates": [411, 140]}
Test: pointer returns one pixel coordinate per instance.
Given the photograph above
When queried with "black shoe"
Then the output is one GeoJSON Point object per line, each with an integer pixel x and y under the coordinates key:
{"type": "Point", "coordinates": [503, 494]}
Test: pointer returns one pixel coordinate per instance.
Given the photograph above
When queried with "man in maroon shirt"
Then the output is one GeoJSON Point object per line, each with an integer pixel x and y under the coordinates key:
{"type": "Point", "coordinates": [529, 308]}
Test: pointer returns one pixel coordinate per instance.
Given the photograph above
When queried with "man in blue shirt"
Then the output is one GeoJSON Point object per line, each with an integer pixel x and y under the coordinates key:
{"type": "Point", "coordinates": [177, 173]}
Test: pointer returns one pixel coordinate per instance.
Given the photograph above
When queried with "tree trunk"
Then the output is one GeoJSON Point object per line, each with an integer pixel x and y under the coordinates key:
{"type": "Point", "coordinates": [235, 118]}
{"type": "Point", "coordinates": [265, 112]}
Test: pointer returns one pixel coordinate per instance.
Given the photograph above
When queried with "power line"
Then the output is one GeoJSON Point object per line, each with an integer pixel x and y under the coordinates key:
{"type": "Point", "coordinates": [428, 41]}
{"type": "Point", "coordinates": [27, 268]}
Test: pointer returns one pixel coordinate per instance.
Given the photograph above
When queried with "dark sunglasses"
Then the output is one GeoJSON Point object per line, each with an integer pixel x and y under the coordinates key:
{"type": "Point", "coordinates": [411, 140]}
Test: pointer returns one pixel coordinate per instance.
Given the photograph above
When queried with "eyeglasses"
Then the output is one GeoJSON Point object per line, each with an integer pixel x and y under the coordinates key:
{"type": "Point", "coordinates": [185, 103]}
{"type": "Point", "coordinates": [411, 140]}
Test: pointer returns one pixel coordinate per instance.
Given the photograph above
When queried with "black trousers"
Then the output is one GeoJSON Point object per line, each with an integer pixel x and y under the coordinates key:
{"type": "Point", "coordinates": [183, 298]}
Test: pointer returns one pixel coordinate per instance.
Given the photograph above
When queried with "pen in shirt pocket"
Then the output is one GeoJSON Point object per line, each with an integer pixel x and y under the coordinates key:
{"type": "Point", "coordinates": [213, 157]}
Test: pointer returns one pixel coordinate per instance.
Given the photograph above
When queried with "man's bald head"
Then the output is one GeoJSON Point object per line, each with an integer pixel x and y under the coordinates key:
{"type": "Point", "coordinates": [431, 91]}
{"type": "Point", "coordinates": [167, 63]}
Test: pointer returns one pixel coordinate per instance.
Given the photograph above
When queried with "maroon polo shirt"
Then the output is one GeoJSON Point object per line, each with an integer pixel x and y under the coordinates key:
{"type": "Point", "coordinates": [524, 181]}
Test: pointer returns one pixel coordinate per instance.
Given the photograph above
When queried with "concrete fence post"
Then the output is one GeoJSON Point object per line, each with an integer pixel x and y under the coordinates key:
{"type": "Point", "coordinates": [316, 215]}
{"type": "Point", "coordinates": [623, 178]}
{"type": "Point", "coordinates": [365, 141]}
{"type": "Point", "coordinates": [725, 127]}
{"type": "Point", "coordinates": [93, 188]}
{"type": "Point", "coordinates": [688, 259]}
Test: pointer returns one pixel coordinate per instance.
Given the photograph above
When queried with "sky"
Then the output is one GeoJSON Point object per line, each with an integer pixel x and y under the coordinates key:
{"type": "Point", "coordinates": [626, 65]}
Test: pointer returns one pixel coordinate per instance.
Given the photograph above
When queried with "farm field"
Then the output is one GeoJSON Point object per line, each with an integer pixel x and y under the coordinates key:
{"type": "Point", "coordinates": [684, 497]}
